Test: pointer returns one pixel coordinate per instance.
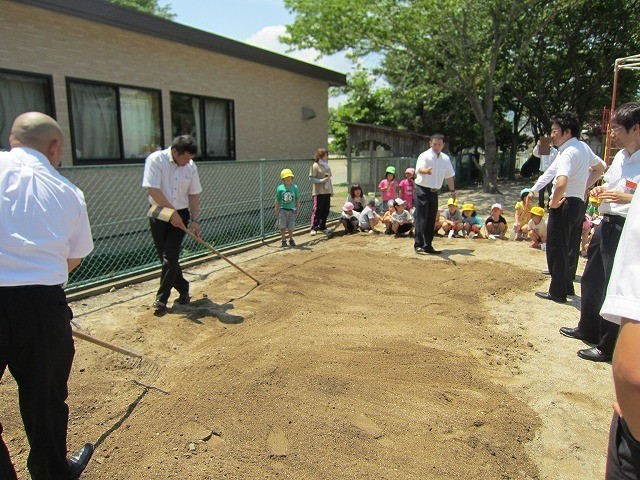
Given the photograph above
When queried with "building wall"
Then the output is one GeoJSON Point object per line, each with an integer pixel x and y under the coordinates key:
{"type": "Point", "coordinates": [268, 101]}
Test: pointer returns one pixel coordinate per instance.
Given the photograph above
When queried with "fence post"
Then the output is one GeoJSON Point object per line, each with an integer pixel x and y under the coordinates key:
{"type": "Point", "coordinates": [262, 200]}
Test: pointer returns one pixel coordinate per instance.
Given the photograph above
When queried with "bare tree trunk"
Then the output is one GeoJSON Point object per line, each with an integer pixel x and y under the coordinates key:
{"type": "Point", "coordinates": [490, 177]}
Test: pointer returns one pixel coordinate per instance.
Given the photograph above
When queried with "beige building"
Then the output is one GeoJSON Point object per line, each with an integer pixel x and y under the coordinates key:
{"type": "Point", "coordinates": [123, 83]}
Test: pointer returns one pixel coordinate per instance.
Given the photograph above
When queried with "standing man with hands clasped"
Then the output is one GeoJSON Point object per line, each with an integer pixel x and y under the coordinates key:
{"type": "Point", "coordinates": [44, 234]}
{"type": "Point", "coordinates": [432, 168]}
{"type": "Point", "coordinates": [171, 178]}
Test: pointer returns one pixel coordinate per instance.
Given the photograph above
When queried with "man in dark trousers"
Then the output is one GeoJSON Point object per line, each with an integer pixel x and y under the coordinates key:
{"type": "Point", "coordinates": [620, 183]}
{"type": "Point", "coordinates": [432, 168]}
{"type": "Point", "coordinates": [576, 169]}
{"type": "Point", "coordinates": [44, 234]}
{"type": "Point", "coordinates": [171, 178]}
{"type": "Point", "coordinates": [622, 307]}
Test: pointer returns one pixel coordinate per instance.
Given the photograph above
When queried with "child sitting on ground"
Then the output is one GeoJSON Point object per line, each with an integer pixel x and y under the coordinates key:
{"type": "Point", "coordinates": [407, 187]}
{"type": "Point", "coordinates": [452, 223]}
{"type": "Point", "coordinates": [389, 185]}
{"type": "Point", "coordinates": [356, 196]}
{"type": "Point", "coordinates": [401, 219]}
{"type": "Point", "coordinates": [471, 224]}
{"type": "Point", "coordinates": [369, 218]}
{"type": "Point", "coordinates": [522, 215]}
{"type": "Point", "coordinates": [590, 221]}
{"type": "Point", "coordinates": [438, 224]}
{"type": "Point", "coordinates": [287, 206]}
{"type": "Point", "coordinates": [386, 218]}
{"type": "Point", "coordinates": [495, 223]}
{"type": "Point", "coordinates": [348, 220]}
{"type": "Point", "coordinates": [536, 228]}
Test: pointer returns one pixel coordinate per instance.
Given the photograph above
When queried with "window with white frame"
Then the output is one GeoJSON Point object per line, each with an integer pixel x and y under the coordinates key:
{"type": "Point", "coordinates": [113, 124]}
{"type": "Point", "coordinates": [19, 93]}
{"type": "Point", "coordinates": [208, 120]}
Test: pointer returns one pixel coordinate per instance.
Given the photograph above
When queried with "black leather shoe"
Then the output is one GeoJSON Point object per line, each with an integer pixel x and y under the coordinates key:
{"type": "Point", "coordinates": [548, 296]}
{"type": "Point", "coordinates": [184, 298]}
{"type": "Point", "coordinates": [79, 460]}
{"type": "Point", "coordinates": [159, 306]}
{"type": "Point", "coordinates": [431, 251]}
{"type": "Point", "coordinates": [594, 354]}
{"type": "Point", "coordinates": [572, 332]}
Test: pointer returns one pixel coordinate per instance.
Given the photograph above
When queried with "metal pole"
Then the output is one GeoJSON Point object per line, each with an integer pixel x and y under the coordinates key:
{"type": "Point", "coordinates": [262, 213]}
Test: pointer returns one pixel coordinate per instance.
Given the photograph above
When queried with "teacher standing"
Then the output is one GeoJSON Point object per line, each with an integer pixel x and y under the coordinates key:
{"type": "Point", "coordinates": [322, 190]}
{"type": "Point", "coordinates": [432, 168]}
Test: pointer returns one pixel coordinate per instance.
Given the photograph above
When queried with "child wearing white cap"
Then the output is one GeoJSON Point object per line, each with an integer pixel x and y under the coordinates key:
{"type": "Point", "coordinates": [401, 219]}
{"type": "Point", "coordinates": [495, 223]}
{"type": "Point", "coordinates": [386, 218]}
{"type": "Point", "coordinates": [348, 219]}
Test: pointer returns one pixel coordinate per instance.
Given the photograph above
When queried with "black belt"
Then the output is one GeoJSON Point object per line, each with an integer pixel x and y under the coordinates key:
{"type": "Point", "coordinates": [429, 189]}
{"type": "Point", "coordinates": [617, 219]}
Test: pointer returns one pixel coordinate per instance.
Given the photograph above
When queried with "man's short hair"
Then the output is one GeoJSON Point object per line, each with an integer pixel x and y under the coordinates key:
{"type": "Point", "coordinates": [567, 121]}
{"type": "Point", "coordinates": [437, 136]}
{"type": "Point", "coordinates": [185, 143]}
{"type": "Point", "coordinates": [627, 115]}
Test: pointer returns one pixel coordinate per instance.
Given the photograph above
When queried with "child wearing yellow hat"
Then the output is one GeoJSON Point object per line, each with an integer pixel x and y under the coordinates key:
{"type": "Point", "coordinates": [452, 219]}
{"type": "Point", "coordinates": [536, 228]}
{"type": "Point", "coordinates": [471, 223]}
{"type": "Point", "coordinates": [287, 206]}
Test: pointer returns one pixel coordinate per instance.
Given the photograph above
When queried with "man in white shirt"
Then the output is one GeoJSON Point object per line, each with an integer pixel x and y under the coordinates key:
{"type": "Point", "coordinates": [171, 178]}
{"type": "Point", "coordinates": [620, 183]}
{"type": "Point", "coordinates": [432, 168]}
{"type": "Point", "coordinates": [566, 207]}
{"type": "Point", "coordinates": [44, 234]}
{"type": "Point", "coordinates": [622, 307]}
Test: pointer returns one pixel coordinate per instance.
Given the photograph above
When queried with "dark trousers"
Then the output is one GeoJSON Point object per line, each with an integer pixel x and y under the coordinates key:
{"type": "Point", "coordinates": [168, 242]}
{"type": "Point", "coordinates": [426, 207]}
{"type": "Point", "coordinates": [320, 212]}
{"type": "Point", "coordinates": [623, 453]}
{"type": "Point", "coordinates": [541, 195]}
{"type": "Point", "coordinates": [36, 345]}
{"type": "Point", "coordinates": [575, 245]}
{"type": "Point", "coordinates": [565, 223]}
{"type": "Point", "coordinates": [595, 278]}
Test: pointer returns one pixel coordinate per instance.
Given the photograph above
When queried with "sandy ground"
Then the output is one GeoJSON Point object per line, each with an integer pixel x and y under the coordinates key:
{"type": "Point", "coordinates": [354, 359]}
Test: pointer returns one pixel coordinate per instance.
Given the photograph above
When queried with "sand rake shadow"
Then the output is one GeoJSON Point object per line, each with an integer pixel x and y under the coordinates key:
{"type": "Point", "coordinates": [204, 308]}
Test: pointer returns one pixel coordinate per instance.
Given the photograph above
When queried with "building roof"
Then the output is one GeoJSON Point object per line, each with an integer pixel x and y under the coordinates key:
{"type": "Point", "coordinates": [103, 11]}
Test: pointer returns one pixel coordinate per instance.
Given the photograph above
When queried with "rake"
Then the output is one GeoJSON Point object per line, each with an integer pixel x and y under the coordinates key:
{"type": "Point", "coordinates": [164, 214]}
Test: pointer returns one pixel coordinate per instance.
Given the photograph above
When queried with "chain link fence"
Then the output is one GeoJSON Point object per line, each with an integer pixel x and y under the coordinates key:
{"type": "Point", "coordinates": [236, 207]}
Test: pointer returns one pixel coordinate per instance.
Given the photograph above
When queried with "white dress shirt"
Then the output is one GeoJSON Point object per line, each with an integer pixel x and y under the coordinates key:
{"type": "Point", "coordinates": [175, 182]}
{"type": "Point", "coordinates": [574, 160]}
{"type": "Point", "coordinates": [441, 169]}
{"type": "Point", "coordinates": [43, 221]}
{"type": "Point", "coordinates": [623, 292]}
{"type": "Point", "coordinates": [623, 176]}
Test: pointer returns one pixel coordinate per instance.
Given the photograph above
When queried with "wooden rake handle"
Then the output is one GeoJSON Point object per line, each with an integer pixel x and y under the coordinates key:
{"type": "Point", "coordinates": [102, 343]}
{"type": "Point", "coordinates": [202, 242]}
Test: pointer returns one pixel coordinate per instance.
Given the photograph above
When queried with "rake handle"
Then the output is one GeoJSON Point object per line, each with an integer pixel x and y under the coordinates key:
{"type": "Point", "coordinates": [102, 343]}
{"type": "Point", "coordinates": [202, 242]}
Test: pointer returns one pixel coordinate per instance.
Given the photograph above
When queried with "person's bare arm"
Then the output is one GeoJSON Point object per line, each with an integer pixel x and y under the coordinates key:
{"type": "Point", "coordinates": [73, 263]}
{"type": "Point", "coordinates": [595, 173]}
{"type": "Point", "coordinates": [194, 210]}
{"type": "Point", "coordinates": [626, 374]}
{"type": "Point", "coordinates": [452, 188]}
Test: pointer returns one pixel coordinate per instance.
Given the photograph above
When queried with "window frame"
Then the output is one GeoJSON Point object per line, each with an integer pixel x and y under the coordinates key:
{"type": "Point", "coordinates": [116, 86]}
{"type": "Point", "coordinates": [231, 125]}
{"type": "Point", "coordinates": [49, 91]}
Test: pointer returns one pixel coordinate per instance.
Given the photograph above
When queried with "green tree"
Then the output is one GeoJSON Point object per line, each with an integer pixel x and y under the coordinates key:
{"type": "Point", "coordinates": [148, 6]}
{"type": "Point", "coordinates": [460, 43]}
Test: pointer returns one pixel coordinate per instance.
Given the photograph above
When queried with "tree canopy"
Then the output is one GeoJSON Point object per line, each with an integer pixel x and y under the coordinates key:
{"type": "Point", "coordinates": [148, 6]}
{"type": "Point", "coordinates": [498, 60]}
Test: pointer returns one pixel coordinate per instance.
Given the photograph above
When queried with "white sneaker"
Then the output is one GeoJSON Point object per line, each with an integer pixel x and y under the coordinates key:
{"type": "Point", "coordinates": [370, 231]}
{"type": "Point", "coordinates": [472, 235]}
{"type": "Point", "coordinates": [313, 232]}
{"type": "Point", "coordinates": [543, 247]}
{"type": "Point", "coordinates": [492, 236]}
{"type": "Point", "coordinates": [451, 233]}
